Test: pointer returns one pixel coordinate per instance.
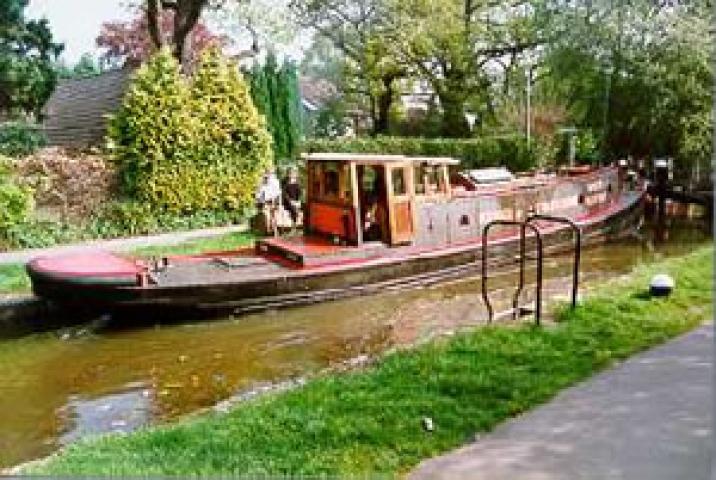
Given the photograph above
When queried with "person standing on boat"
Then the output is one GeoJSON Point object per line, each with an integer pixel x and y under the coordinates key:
{"type": "Point", "coordinates": [268, 196]}
{"type": "Point", "coordinates": [291, 196]}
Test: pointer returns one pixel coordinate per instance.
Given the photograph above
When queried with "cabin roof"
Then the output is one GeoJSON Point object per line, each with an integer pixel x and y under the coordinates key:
{"type": "Point", "coordinates": [370, 158]}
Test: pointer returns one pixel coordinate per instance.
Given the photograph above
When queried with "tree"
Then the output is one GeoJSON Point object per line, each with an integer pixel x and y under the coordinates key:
{"type": "Point", "coordinates": [185, 15]}
{"type": "Point", "coordinates": [462, 46]}
{"type": "Point", "coordinates": [130, 43]}
{"type": "Point", "coordinates": [85, 67]}
{"type": "Point", "coordinates": [27, 52]}
{"type": "Point", "coordinates": [638, 73]}
{"type": "Point", "coordinates": [359, 30]}
{"type": "Point", "coordinates": [276, 95]}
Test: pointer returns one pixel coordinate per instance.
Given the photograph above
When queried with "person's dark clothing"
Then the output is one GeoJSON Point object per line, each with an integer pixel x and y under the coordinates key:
{"type": "Point", "coordinates": [291, 196]}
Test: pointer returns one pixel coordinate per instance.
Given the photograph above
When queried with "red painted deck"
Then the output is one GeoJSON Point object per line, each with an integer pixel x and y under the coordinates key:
{"type": "Point", "coordinates": [311, 251]}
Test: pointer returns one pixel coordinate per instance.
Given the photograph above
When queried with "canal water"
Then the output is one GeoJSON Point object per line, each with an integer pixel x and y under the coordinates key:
{"type": "Point", "coordinates": [59, 387]}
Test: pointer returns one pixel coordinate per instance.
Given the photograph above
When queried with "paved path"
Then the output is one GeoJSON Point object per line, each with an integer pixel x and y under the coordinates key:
{"type": "Point", "coordinates": [649, 418]}
{"type": "Point", "coordinates": [120, 244]}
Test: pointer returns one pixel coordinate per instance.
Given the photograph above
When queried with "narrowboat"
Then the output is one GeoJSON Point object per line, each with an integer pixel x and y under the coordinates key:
{"type": "Point", "coordinates": [371, 222]}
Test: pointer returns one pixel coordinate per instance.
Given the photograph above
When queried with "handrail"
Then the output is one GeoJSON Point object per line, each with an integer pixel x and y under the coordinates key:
{"type": "Point", "coordinates": [515, 300]}
{"type": "Point", "coordinates": [577, 247]}
{"type": "Point", "coordinates": [523, 226]}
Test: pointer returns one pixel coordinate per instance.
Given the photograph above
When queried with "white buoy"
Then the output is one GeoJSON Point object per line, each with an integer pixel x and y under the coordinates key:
{"type": "Point", "coordinates": [661, 285]}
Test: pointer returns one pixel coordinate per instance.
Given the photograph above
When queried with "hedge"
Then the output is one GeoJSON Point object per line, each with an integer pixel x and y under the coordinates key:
{"type": "Point", "coordinates": [18, 139]}
{"type": "Point", "coordinates": [509, 151]}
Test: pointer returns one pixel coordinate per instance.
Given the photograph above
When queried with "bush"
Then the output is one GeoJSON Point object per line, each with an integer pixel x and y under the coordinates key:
{"type": "Point", "coordinates": [188, 146]}
{"type": "Point", "coordinates": [18, 139]}
{"type": "Point", "coordinates": [67, 185]}
{"type": "Point", "coordinates": [509, 151]}
{"type": "Point", "coordinates": [125, 218]}
{"type": "Point", "coordinates": [153, 126]}
{"type": "Point", "coordinates": [15, 201]}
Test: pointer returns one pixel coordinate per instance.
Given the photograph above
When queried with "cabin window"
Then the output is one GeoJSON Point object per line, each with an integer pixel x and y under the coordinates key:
{"type": "Point", "coordinates": [429, 179]}
{"type": "Point", "coordinates": [331, 180]}
{"type": "Point", "coordinates": [464, 221]}
{"type": "Point", "coordinates": [399, 183]}
{"type": "Point", "coordinates": [419, 172]}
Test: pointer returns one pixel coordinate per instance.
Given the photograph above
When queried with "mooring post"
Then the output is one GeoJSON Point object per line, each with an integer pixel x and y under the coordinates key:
{"type": "Point", "coordinates": [661, 177]}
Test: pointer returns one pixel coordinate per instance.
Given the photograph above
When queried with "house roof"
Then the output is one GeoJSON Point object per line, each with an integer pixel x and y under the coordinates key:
{"type": "Point", "coordinates": [76, 113]}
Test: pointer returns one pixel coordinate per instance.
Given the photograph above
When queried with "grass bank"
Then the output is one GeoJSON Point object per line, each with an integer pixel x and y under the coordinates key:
{"type": "Point", "coordinates": [14, 279]}
{"type": "Point", "coordinates": [371, 420]}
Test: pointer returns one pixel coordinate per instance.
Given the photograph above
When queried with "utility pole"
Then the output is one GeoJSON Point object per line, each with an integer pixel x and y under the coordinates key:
{"type": "Point", "coordinates": [528, 120]}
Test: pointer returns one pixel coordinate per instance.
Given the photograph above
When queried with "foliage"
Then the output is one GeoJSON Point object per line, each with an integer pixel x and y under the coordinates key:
{"type": "Point", "coordinates": [67, 184]}
{"type": "Point", "coordinates": [153, 125]}
{"type": "Point", "coordinates": [510, 151]}
{"type": "Point", "coordinates": [26, 54]}
{"type": "Point", "coordinates": [85, 67]}
{"type": "Point", "coordinates": [15, 201]}
{"type": "Point", "coordinates": [18, 139]}
{"type": "Point", "coordinates": [166, 154]}
{"type": "Point", "coordinates": [237, 149]}
{"type": "Point", "coordinates": [638, 74]}
{"type": "Point", "coordinates": [14, 279]}
{"type": "Point", "coordinates": [258, 24]}
{"type": "Point", "coordinates": [330, 120]}
{"type": "Point", "coordinates": [461, 47]}
{"type": "Point", "coordinates": [369, 65]}
{"type": "Point", "coordinates": [221, 243]}
{"type": "Point", "coordinates": [369, 422]}
{"type": "Point", "coordinates": [586, 146]}
{"type": "Point", "coordinates": [275, 93]}
{"type": "Point", "coordinates": [129, 42]}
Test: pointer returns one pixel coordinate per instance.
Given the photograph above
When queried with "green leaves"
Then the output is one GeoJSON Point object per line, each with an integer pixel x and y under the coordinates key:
{"type": "Point", "coordinates": [509, 150]}
{"type": "Point", "coordinates": [19, 139]}
{"type": "Point", "coordinates": [26, 53]}
{"type": "Point", "coordinates": [190, 144]}
{"type": "Point", "coordinates": [16, 203]}
{"type": "Point", "coordinates": [275, 93]}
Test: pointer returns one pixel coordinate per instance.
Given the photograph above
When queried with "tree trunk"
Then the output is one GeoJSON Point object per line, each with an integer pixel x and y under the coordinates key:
{"type": "Point", "coordinates": [154, 14]}
{"type": "Point", "coordinates": [385, 102]}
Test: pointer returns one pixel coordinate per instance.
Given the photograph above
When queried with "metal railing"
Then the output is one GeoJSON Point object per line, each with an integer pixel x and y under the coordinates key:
{"type": "Point", "coordinates": [518, 310]}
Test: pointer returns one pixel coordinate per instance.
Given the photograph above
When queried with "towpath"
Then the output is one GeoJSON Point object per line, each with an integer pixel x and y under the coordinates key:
{"type": "Point", "coordinates": [648, 418]}
{"type": "Point", "coordinates": [119, 244]}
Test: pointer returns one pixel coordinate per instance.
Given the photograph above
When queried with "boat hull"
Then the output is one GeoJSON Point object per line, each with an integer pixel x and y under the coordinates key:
{"type": "Point", "coordinates": [304, 286]}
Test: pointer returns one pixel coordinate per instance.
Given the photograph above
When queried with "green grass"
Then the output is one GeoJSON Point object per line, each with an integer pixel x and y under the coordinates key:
{"type": "Point", "coordinates": [371, 421]}
{"type": "Point", "coordinates": [219, 243]}
{"type": "Point", "coordinates": [14, 279]}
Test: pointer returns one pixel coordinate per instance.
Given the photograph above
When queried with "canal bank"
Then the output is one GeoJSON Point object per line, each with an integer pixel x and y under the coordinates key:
{"type": "Point", "coordinates": [373, 421]}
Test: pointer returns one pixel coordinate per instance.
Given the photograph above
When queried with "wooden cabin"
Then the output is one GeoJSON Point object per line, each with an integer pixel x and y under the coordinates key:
{"type": "Point", "coordinates": [427, 202]}
{"type": "Point", "coordinates": [358, 198]}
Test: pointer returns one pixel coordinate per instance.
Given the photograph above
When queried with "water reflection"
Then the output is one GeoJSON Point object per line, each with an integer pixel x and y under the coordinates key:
{"type": "Point", "coordinates": [115, 413]}
{"type": "Point", "coordinates": [55, 389]}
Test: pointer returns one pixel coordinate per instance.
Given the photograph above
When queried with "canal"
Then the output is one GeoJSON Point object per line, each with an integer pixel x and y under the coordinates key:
{"type": "Point", "coordinates": [56, 388]}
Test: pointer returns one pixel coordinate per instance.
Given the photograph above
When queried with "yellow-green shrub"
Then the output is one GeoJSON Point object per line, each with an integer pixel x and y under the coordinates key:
{"type": "Point", "coordinates": [186, 145]}
{"type": "Point", "coordinates": [16, 202]}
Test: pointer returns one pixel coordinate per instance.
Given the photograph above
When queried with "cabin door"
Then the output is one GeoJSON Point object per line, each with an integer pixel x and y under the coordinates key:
{"type": "Point", "coordinates": [400, 203]}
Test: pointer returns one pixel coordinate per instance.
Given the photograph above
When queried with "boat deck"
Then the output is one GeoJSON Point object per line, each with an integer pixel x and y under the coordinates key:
{"type": "Point", "coordinates": [312, 251]}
